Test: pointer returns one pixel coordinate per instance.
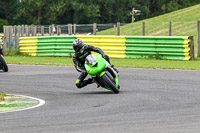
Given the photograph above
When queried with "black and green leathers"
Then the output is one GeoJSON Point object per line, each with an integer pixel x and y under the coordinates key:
{"type": "Point", "coordinates": [79, 60]}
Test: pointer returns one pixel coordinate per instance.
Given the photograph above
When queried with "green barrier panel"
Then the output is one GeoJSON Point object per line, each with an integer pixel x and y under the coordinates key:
{"type": "Point", "coordinates": [40, 46]}
{"type": "Point", "coordinates": [162, 47]}
{"type": "Point", "coordinates": [55, 46]}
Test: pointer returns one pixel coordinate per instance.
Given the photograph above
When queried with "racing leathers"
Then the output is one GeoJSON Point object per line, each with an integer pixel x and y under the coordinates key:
{"type": "Point", "coordinates": [79, 60]}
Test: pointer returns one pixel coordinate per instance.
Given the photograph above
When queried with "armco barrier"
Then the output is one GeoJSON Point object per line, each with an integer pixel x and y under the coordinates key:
{"type": "Point", "coordinates": [114, 46]}
{"type": "Point", "coordinates": [162, 47]}
{"type": "Point", "coordinates": [47, 46]}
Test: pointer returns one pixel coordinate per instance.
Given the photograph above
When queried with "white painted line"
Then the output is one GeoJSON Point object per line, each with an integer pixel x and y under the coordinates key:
{"type": "Point", "coordinates": [41, 102]}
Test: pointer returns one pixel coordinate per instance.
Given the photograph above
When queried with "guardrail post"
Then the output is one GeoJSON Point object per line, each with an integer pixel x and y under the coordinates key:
{"type": "Point", "coordinates": [50, 30]}
{"type": "Point", "coordinates": [94, 28]}
{"type": "Point", "coordinates": [32, 30]}
{"type": "Point", "coordinates": [74, 29]}
{"type": "Point", "coordinates": [170, 28]}
{"type": "Point", "coordinates": [10, 37]}
{"type": "Point", "coordinates": [26, 30]}
{"type": "Point", "coordinates": [18, 35]}
{"type": "Point", "coordinates": [35, 31]}
{"type": "Point", "coordinates": [58, 30]}
{"type": "Point", "coordinates": [29, 30]}
{"type": "Point", "coordinates": [4, 40]}
{"type": "Point", "coordinates": [70, 29]}
{"type": "Point", "coordinates": [22, 30]}
{"type": "Point", "coordinates": [118, 28]}
{"type": "Point", "coordinates": [42, 30]}
{"type": "Point", "coordinates": [15, 33]}
{"type": "Point", "coordinates": [198, 38]}
{"type": "Point", "coordinates": [143, 28]}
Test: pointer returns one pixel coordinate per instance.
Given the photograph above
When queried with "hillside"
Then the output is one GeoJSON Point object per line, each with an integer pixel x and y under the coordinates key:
{"type": "Point", "coordinates": [184, 23]}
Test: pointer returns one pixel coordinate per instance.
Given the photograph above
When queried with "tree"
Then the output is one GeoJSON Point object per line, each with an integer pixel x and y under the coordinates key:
{"type": "Point", "coordinates": [32, 12]}
{"type": "Point", "coordinates": [4, 8]}
{"type": "Point", "coordinates": [43, 12]}
{"type": "Point", "coordinates": [2, 23]}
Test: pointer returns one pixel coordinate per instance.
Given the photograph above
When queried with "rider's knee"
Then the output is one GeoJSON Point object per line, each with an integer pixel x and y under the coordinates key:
{"type": "Point", "coordinates": [78, 83]}
{"type": "Point", "coordinates": [78, 86]}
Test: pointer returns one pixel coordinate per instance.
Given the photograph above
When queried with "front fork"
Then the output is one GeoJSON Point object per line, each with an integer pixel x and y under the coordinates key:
{"type": "Point", "coordinates": [113, 73]}
{"type": "Point", "coordinates": [111, 70]}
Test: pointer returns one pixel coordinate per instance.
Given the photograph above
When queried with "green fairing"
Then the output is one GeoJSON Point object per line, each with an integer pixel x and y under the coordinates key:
{"type": "Point", "coordinates": [116, 80]}
{"type": "Point", "coordinates": [95, 65]}
{"type": "Point", "coordinates": [102, 73]}
{"type": "Point", "coordinates": [94, 70]}
{"type": "Point", "coordinates": [108, 88]}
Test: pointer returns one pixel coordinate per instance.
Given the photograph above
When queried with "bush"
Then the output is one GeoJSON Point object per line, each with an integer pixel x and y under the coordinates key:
{"type": "Point", "coordinates": [2, 23]}
{"type": "Point", "coordinates": [2, 95]}
{"type": "Point", "coordinates": [15, 52]}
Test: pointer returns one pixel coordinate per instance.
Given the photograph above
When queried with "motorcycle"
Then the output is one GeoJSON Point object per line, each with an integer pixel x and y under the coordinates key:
{"type": "Point", "coordinates": [3, 64]}
{"type": "Point", "coordinates": [102, 72]}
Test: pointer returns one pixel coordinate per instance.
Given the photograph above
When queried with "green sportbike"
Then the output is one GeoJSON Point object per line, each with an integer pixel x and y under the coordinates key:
{"type": "Point", "coordinates": [102, 72]}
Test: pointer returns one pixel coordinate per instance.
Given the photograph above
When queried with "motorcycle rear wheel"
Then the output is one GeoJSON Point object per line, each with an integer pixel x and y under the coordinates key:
{"type": "Point", "coordinates": [109, 83]}
{"type": "Point", "coordinates": [3, 64]}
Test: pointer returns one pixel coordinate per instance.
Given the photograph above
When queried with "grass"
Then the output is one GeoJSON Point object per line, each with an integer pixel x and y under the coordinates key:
{"type": "Point", "coordinates": [184, 23]}
{"type": "Point", "coordinates": [29, 60]}
{"type": "Point", "coordinates": [2, 95]}
{"type": "Point", "coordinates": [123, 63]}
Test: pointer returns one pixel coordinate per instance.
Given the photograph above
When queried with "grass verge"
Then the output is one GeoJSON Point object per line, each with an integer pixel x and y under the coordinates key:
{"type": "Point", "coordinates": [124, 63]}
{"type": "Point", "coordinates": [184, 23]}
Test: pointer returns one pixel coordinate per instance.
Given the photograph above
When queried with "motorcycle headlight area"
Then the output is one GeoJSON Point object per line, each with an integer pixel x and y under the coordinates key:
{"type": "Point", "coordinates": [90, 60]}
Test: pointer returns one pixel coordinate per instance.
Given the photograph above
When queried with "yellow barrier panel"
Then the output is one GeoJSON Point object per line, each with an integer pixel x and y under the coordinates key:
{"type": "Point", "coordinates": [28, 45]}
{"type": "Point", "coordinates": [28, 40]}
{"type": "Point", "coordinates": [113, 46]}
{"type": "Point", "coordinates": [187, 48]}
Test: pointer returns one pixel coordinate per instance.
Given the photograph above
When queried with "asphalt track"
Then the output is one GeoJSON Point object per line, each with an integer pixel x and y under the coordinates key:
{"type": "Point", "coordinates": [150, 101]}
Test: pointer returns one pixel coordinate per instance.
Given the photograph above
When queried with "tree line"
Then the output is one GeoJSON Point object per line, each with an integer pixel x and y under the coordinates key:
{"type": "Point", "coordinates": [41, 12]}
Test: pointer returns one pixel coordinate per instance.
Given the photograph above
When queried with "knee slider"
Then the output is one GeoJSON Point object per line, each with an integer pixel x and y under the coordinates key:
{"type": "Point", "coordinates": [78, 85]}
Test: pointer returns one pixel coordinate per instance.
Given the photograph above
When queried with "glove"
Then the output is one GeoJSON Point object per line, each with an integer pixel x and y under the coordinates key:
{"type": "Point", "coordinates": [105, 56]}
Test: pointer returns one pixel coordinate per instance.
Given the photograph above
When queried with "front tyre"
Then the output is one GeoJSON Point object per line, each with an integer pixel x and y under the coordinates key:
{"type": "Point", "coordinates": [3, 64]}
{"type": "Point", "coordinates": [109, 83]}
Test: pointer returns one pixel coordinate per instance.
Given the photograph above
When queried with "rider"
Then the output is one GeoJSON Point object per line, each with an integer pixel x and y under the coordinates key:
{"type": "Point", "coordinates": [81, 52]}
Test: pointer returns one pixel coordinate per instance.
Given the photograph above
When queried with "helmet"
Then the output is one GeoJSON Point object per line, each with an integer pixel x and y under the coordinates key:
{"type": "Point", "coordinates": [78, 44]}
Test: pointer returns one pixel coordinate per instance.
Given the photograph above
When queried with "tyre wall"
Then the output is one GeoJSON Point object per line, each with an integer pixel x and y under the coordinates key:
{"type": "Point", "coordinates": [161, 47]}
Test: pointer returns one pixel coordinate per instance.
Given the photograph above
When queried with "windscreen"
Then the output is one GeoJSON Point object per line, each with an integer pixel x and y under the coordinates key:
{"type": "Point", "coordinates": [90, 59]}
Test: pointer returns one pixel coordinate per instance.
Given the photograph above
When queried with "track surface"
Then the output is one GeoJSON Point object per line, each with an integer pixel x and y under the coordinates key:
{"type": "Point", "coordinates": [150, 101]}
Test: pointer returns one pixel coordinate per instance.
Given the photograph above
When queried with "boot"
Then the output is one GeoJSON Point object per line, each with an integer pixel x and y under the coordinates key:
{"type": "Point", "coordinates": [90, 81]}
{"type": "Point", "coordinates": [84, 83]}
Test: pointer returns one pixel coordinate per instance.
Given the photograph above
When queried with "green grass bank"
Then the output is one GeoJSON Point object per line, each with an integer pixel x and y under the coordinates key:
{"type": "Point", "coordinates": [184, 23]}
{"type": "Point", "coordinates": [123, 63]}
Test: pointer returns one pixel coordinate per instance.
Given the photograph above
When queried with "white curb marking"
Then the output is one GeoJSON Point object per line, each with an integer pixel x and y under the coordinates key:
{"type": "Point", "coordinates": [41, 102]}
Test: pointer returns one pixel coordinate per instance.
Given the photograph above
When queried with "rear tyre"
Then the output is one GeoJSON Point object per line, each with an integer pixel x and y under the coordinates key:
{"type": "Point", "coordinates": [3, 64]}
{"type": "Point", "coordinates": [109, 83]}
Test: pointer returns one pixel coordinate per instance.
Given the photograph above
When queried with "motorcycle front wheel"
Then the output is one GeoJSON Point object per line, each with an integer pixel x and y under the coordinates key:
{"type": "Point", "coordinates": [109, 83]}
{"type": "Point", "coordinates": [3, 64]}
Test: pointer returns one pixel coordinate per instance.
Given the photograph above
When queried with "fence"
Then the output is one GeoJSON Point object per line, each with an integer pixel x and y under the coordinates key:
{"type": "Point", "coordinates": [12, 33]}
{"type": "Point", "coordinates": [165, 47]}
